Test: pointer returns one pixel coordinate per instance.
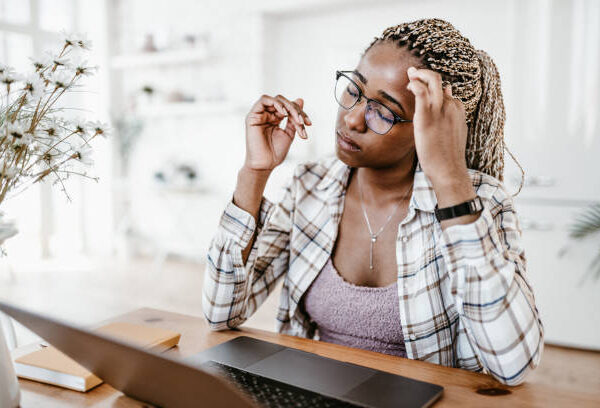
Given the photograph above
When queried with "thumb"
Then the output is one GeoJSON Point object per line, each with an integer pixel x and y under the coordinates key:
{"type": "Point", "coordinates": [300, 102]}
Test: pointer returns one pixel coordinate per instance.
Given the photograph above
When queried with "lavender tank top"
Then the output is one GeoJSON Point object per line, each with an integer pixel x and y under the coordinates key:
{"type": "Point", "coordinates": [356, 316]}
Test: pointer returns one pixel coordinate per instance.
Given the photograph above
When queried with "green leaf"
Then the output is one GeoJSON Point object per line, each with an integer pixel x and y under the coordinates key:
{"type": "Point", "coordinates": [586, 223]}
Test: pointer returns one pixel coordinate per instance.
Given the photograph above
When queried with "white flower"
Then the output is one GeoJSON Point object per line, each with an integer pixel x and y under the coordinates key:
{"type": "Point", "coordinates": [52, 128]}
{"type": "Point", "coordinates": [79, 126]}
{"type": "Point", "coordinates": [34, 86]}
{"type": "Point", "coordinates": [83, 153]}
{"type": "Point", "coordinates": [51, 59]}
{"type": "Point", "coordinates": [26, 140]}
{"type": "Point", "coordinates": [81, 67]}
{"type": "Point", "coordinates": [49, 158]}
{"type": "Point", "coordinates": [77, 40]}
{"type": "Point", "coordinates": [60, 79]}
{"type": "Point", "coordinates": [9, 173]}
{"type": "Point", "coordinates": [6, 69]}
{"type": "Point", "coordinates": [99, 128]}
{"type": "Point", "coordinates": [8, 75]}
{"type": "Point", "coordinates": [39, 63]}
{"type": "Point", "coordinates": [16, 130]}
{"type": "Point", "coordinates": [18, 133]}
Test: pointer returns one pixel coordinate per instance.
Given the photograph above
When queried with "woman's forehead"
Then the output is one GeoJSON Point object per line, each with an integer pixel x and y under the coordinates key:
{"type": "Point", "coordinates": [386, 64]}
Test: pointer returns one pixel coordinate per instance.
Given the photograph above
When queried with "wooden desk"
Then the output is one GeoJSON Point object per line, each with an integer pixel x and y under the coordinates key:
{"type": "Point", "coordinates": [461, 388]}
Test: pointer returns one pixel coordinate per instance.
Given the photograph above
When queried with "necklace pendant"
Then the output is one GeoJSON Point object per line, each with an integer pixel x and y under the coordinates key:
{"type": "Point", "coordinates": [373, 239]}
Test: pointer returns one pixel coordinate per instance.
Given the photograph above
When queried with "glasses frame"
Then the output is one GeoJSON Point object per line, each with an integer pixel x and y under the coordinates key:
{"type": "Point", "coordinates": [361, 95]}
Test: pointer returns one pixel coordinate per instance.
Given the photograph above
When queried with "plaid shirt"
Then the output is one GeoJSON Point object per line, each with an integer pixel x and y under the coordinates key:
{"type": "Point", "coordinates": [465, 300]}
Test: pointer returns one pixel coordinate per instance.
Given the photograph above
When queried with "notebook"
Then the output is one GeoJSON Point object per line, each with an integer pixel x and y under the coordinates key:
{"type": "Point", "coordinates": [50, 366]}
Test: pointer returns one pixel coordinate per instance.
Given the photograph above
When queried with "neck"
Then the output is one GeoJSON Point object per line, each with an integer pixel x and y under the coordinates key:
{"type": "Point", "coordinates": [386, 185]}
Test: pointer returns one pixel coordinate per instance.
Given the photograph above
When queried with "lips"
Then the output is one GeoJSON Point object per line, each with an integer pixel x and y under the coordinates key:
{"type": "Point", "coordinates": [346, 142]}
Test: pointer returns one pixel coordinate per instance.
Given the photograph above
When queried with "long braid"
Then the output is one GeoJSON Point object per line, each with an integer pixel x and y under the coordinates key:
{"type": "Point", "coordinates": [475, 82]}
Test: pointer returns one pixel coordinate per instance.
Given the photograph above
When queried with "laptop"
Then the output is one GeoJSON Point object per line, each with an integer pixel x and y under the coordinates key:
{"type": "Point", "coordinates": [243, 372]}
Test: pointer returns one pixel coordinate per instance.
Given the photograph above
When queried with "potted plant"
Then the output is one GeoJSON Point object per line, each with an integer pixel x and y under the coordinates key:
{"type": "Point", "coordinates": [586, 225]}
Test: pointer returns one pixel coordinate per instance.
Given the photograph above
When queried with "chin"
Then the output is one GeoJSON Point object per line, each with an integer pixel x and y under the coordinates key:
{"type": "Point", "coordinates": [345, 158]}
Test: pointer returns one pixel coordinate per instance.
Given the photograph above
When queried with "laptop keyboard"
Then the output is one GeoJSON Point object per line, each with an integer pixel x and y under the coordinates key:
{"type": "Point", "coordinates": [272, 393]}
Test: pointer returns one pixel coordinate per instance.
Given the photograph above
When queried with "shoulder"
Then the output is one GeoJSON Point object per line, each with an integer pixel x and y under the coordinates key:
{"type": "Point", "coordinates": [317, 174]}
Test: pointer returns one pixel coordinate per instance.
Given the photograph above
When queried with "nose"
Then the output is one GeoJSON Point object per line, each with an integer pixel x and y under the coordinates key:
{"type": "Point", "coordinates": [355, 117]}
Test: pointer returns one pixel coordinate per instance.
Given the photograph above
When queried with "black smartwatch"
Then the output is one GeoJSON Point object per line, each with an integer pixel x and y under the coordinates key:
{"type": "Point", "coordinates": [468, 207]}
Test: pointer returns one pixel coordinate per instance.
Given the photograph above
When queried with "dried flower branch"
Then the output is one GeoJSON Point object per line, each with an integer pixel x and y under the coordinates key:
{"type": "Point", "coordinates": [36, 141]}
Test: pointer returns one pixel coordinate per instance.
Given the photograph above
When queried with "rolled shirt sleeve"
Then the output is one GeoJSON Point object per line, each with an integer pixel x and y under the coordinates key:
{"type": "Point", "coordinates": [487, 266]}
{"type": "Point", "coordinates": [233, 290]}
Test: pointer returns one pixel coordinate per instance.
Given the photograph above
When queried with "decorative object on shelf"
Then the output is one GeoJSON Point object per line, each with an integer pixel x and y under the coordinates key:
{"type": "Point", "coordinates": [128, 131]}
{"type": "Point", "coordinates": [587, 225]}
{"type": "Point", "coordinates": [39, 143]}
{"type": "Point", "coordinates": [177, 96]}
{"type": "Point", "coordinates": [149, 45]}
{"type": "Point", "coordinates": [177, 175]}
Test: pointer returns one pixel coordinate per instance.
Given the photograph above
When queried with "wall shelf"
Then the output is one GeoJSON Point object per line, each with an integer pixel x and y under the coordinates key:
{"type": "Point", "coordinates": [161, 58]}
{"type": "Point", "coordinates": [167, 110]}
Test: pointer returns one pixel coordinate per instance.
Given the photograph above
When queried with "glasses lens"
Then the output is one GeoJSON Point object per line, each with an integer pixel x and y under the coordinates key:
{"type": "Point", "coordinates": [379, 118]}
{"type": "Point", "coordinates": [346, 92]}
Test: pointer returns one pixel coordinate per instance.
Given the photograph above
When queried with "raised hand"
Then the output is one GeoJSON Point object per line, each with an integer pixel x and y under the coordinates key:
{"type": "Point", "coordinates": [440, 128]}
{"type": "Point", "coordinates": [267, 144]}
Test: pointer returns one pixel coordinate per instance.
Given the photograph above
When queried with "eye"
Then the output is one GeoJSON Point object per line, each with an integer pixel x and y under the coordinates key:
{"type": "Point", "coordinates": [352, 91]}
{"type": "Point", "coordinates": [384, 117]}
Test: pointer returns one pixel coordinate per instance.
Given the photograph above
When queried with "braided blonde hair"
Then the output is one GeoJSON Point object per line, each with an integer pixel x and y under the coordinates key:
{"type": "Point", "coordinates": [475, 82]}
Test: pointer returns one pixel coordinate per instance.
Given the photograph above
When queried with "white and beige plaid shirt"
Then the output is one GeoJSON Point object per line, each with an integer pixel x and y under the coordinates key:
{"type": "Point", "coordinates": [465, 300]}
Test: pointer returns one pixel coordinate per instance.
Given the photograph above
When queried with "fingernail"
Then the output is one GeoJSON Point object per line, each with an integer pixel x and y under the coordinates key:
{"type": "Point", "coordinates": [411, 70]}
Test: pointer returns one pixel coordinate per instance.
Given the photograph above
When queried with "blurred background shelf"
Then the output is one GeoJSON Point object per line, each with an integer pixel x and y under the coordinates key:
{"type": "Point", "coordinates": [189, 109]}
{"type": "Point", "coordinates": [161, 58]}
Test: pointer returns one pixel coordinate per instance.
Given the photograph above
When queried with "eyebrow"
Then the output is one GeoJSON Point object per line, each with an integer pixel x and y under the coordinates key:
{"type": "Point", "coordinates": [384, 94]}
{"type": "Point", "coordinates": [391, 99]}
{"type": "Point", "coordinates": [360, 76]}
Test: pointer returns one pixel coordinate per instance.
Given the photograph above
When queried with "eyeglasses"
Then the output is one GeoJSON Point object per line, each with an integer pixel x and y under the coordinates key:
{"type": "Point", "coordinates": [378, 117]}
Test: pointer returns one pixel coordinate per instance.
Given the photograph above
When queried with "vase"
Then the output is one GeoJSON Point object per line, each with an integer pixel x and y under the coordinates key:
{"type": "Point", "coordinates": [10, 395]}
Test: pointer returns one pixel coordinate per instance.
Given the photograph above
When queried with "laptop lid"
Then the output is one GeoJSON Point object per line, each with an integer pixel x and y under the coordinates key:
{"type": "Point", "coordinates": [143, 375]}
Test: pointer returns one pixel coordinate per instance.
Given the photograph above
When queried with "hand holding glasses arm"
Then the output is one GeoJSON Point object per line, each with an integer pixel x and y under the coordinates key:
{"type": "Point", "coordinates": [267, 146]}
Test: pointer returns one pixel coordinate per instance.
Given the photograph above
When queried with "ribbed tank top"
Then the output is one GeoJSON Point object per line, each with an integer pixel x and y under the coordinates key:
{"type": "Point", "coordinates": [356, 316]}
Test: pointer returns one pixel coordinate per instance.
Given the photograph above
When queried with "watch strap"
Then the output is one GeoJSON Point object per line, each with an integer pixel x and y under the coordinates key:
{"type": "Point", "coordinates": [468, 207]}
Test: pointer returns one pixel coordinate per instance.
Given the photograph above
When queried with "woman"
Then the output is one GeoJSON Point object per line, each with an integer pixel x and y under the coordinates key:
{"type": "Point", "coordinates": [406, 242]}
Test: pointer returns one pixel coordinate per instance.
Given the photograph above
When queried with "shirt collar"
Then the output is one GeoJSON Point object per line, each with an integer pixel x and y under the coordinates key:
{"type": "Point", "coordinates": [423, 196]}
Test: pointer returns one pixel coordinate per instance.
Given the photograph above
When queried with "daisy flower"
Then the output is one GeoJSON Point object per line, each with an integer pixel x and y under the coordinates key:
{"type": "Point", "coordinates": [52, 128]}
{"type": "Point", "coordinates": [77, 40]}
{"type": "Point", "coordinates": [54, 59]}
{"type": "Point", "coordinates": [79, 126]}
{"type": "Point", "coordinates": [99, 128]}
{"type": "Point", "coordinates": [8, 75]}
{"type": "Point", "coordinates": [60, 79]}
{"type": "Point", "coordinates": [34, 86]}
{"type": "Point", "coordinates": [83, 153]}
{"type": "Point", "coordinates": [81, 67]}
